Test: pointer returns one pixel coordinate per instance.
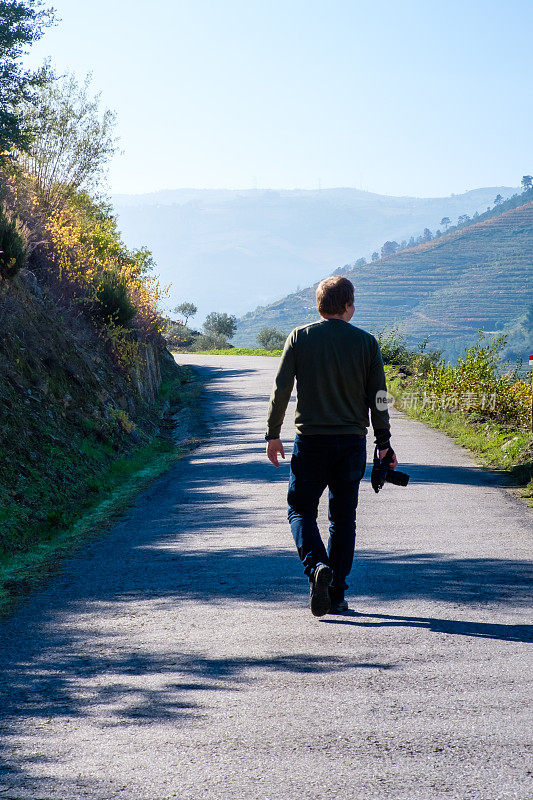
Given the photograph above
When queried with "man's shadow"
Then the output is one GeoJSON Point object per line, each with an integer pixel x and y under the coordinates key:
{"type": "Point", "coordinates": [482, 630]}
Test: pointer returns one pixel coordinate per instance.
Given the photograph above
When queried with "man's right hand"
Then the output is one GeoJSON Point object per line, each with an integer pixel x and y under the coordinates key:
{"type": "Point", "coordinates": [383, 453]}
{"type": "Point", "coordinates": [274, 447]}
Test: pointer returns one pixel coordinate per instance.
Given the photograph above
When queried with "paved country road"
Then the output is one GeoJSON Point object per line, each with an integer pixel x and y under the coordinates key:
{"type": "Point", "coordinates": [176, 657]}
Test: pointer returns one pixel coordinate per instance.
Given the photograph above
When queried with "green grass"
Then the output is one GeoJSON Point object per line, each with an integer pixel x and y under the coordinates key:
{"type": "Point", "coordinates": [114, 491]}
{"type": "Point", "coordinates": [100, 497]}
{"type": "Point", "coordinates": [498, 446]}
{"type": "Point", "coordinates": [233, 351]}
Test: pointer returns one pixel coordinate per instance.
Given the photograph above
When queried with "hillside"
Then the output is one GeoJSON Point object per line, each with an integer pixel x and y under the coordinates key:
{"type": "Point", "coordinates": [84, 372]}
{"type": "Point", "coordinates": [87, 387]}
{"type": "Point", "coordinates": [67, 411]}
{"type": "Point", "coordinates": [477, 276]}
{"type": "Point", "coordinates": [230, 251]}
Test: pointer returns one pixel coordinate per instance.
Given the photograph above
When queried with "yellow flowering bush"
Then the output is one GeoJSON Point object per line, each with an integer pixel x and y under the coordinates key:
{"type": "Point", "coordinates": [96, 268]}
{"type": "Point", "coordinates": [122, 419]}
{"type": "Point", "coordinates": [477, 383]}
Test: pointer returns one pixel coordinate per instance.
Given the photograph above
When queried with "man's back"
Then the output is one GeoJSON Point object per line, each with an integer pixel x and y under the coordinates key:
{"type": "Point", "coordinates": [338, 370]}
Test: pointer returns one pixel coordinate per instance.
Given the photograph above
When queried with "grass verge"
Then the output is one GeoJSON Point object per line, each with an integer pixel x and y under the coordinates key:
{"type": "Point", "coordinates": [232, 351]}
{"type": "Point", "coordinates": [498, 446]}
{"type": "Point", "coordinates": [115, 490]}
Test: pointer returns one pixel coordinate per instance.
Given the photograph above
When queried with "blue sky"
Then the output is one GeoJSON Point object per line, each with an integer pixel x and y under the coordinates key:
{"type": "Point", "coordinates": [404, 98]}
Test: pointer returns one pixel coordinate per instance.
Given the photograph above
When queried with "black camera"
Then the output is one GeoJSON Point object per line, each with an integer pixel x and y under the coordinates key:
{"type": "Point", "coordinates": [381, 472]}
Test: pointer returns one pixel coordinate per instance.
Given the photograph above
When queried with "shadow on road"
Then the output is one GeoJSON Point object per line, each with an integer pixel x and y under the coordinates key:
{"type": "Point", "coordinates": [127, 689]}
{"type": "Point", "coordinates": [466, 476]}
{"type": "Point", "coordinates": [483, 630]}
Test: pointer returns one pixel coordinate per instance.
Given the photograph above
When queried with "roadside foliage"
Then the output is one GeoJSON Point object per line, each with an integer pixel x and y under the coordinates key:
{"type": "Point", "coordinates": [478, 382]}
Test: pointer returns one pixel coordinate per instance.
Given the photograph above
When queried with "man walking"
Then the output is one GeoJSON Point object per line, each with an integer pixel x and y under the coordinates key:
{"type": "Point", "coordinates": [339, 377]}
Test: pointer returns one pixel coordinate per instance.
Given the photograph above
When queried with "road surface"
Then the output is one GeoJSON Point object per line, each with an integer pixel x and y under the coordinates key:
{"type": "Point", "coordinates": [176, 657]}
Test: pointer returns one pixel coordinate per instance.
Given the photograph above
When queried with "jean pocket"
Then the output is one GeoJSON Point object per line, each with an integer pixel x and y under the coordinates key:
{"type": "Point", "coordinates": [352, 467]}
{"type": "Point", "coordinates": [309, 467]}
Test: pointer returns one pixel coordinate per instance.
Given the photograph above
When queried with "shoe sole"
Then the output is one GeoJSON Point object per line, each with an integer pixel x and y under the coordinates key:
{"type": "Point", "coordinates": [320, 601]}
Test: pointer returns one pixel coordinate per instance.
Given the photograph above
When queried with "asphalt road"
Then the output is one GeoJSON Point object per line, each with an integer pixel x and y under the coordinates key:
{"type": "Point", "coordinates": [176, 657]}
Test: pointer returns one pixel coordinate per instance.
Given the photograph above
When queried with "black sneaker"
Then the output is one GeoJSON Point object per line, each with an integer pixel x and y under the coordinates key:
{"type": "Point", "coordinates": [338, 607]}
{"type": "Point", "coordinates": [319, 599]}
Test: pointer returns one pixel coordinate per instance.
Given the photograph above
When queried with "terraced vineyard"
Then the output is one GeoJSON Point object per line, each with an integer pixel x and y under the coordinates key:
{"type": "Point", "coordinates": [480, 276]}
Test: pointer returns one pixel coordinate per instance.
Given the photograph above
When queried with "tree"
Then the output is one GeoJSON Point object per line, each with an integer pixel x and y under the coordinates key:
{"type": "Point", "coordinates": [445, 221]}
{"type": "Point", "coordinates": [498, 199]}
{"type": "Point", "coordinates": [360, 262]}
{"type": "Point", "coordinates": [210, 341]}
{"type": "Point", "coordinates": [388, 249]}
{"type": "Point", "coordinates": [463, 219]}
{"type": "Point", "coordinates": [177, 335]}
{"type": "Point", "coordinates": [71, 142]}
{"type": "Point", "coordinates": [375, 256]}
{"type": "Point", "coordinates": [427, 235]}
{"type": "Point", "coordinates": [22, 22]}
{"type": "Point", "coordinates": [271, 338]}
{"type": "Point", "coordinates": [220, 325]}
{"type": "Point", "coordinates": [186, 310]}
{"type": "Point", "coordinates": [527, 182]}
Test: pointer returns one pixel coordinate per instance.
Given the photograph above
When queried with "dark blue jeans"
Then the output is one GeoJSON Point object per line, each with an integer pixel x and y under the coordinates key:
{"type": "Point", "coordinates": [338, 462]}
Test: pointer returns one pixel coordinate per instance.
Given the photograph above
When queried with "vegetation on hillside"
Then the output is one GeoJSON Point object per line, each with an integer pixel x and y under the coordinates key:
{"type": "Point", "coordinates": [478, 276]}
{"type": "Point", "coordinates": [389, 248]}
{"type": "Point", "coordinates": [84, 377]}
{"type": "Point", "coordinates": [69, 235]}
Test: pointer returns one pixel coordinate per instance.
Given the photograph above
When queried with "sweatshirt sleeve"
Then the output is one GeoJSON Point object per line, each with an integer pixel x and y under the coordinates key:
{"type": "Point", "coordinates": [281, 391]}
{"type": "Point", "coordinates": [377, 399]}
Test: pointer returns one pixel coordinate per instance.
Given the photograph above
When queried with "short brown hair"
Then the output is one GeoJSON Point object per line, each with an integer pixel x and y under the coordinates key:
{"type": "Point", "coordinates": [332, 295]}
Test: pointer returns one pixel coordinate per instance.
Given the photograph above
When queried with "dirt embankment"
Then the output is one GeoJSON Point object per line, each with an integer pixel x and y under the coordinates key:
{"type": "Point", "coordinates": [67, 410]}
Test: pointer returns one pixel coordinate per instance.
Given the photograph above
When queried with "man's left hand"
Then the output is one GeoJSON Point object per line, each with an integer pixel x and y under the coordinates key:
{"type": "Point", "coordinates": [383, 453]}
{"type": "Point", "coordinates": [274, 447]}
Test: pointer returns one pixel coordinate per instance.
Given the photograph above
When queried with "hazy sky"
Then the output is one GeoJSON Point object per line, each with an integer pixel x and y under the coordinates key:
{"type": "Point", "coordinates": [397, 97]}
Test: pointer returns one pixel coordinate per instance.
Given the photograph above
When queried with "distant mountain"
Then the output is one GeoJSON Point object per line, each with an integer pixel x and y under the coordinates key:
{"type": "Point", "coordinates": [477, 276]}
{"type": "Point", "coordinates": [233, 250]}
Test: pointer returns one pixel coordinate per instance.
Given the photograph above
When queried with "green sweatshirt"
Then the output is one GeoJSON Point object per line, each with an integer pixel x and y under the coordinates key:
{"type": "Point", "coordinates": [338, 370]}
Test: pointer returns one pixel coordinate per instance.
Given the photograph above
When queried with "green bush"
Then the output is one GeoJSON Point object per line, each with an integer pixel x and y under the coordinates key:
{"type": "Point", "coordinates": [210, 341]}
{"type": "Point", "coordinates": [271, 339]}
{"type": "Point", "coordinates": [394, 350]}
{"type": "Point", "coordinates": [480, 384]}
{"type": "Point", "coordinates": [13, 245]}
{"type": "Point", "coordinates": [392, 344]}
{"type": "Point", "coordinates": [113, 301]}
{"type": "Point", "coordinates": [178, 335]}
